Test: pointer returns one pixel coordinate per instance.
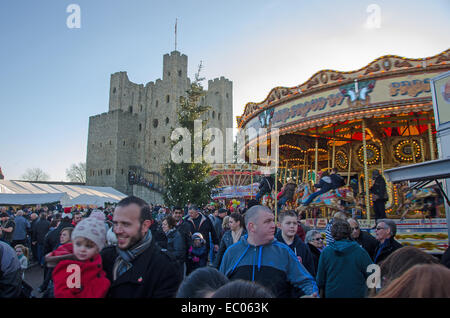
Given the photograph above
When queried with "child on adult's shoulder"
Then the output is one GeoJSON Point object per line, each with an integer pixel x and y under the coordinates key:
{"type": "Point", "coordinates": [88, 239]}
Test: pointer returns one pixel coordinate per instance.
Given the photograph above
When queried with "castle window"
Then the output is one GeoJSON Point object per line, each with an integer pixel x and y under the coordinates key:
{"type": "Point", "coordinates": [114, 90]}
{"type": "Point", "coordinates": [168, 98]}
{"type": "Point", "coordinates": [218, 117]}
{"type": "Point", "coordinates": [167, 120]}
{"type": "Point", "coordinates": [154, 142]}
{"type": "Point", "coordinates": [213, 114]}
{"type": "Point", "coordinates": [141, 108]}
{"type": "Point", "coordinates": [164, 140]}
{"type": "Point", "coordinates": [156, 104]}
{"type": "Point", "coordinates": [227, 95]}
{"type": "Point", "coordinates": [155, 123]}
{"type": "Point", "coordinates": [124, 142]}
{"type": "Point", "coordinates": [139, 145]}
{"type": "Point", "coordinates": [168, 73]}
{"type": "Point", "coordinates": [122, 171]}
{"type": "Point", "coordinates": [100, 145]}
{"type": "Point", "coordinates": [179, 73]}
{"type": "Point", "coordinates": [110, 142]}
{"type": "Point", "coordinates": [140, 127]}
{"type": "Point", "coordinates": [130, 109]}
{"type": "Point", "coordinates": [217, 93]}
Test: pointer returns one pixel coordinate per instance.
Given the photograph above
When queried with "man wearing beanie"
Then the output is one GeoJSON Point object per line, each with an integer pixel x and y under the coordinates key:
{"type": "Point", "coordinates": [136, 267]}
{"type": "Point", "coordinates": [83, 266]}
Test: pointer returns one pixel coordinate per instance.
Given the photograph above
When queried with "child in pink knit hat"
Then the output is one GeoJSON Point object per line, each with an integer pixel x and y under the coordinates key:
{"type": "Point", "coordinates": [82, 276]}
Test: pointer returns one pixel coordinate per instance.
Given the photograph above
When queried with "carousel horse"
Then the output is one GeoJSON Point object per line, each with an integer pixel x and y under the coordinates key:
{"type": "Point", "coordinates": [415, 200]}
{"type": "Point", "coordinates": [330, 199]}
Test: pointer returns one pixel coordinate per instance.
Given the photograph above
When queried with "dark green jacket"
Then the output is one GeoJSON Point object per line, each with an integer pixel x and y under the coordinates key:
{"type": "Point", "coordinates": [342, 270]}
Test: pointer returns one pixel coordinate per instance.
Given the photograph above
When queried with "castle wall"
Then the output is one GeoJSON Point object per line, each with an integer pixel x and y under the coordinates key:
{"type": "Point", "coordinates": [136, 130]}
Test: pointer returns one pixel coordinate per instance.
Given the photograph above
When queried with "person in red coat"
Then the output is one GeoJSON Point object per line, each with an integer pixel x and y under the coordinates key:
{"type": "Point", "coordinates": [80, 273]}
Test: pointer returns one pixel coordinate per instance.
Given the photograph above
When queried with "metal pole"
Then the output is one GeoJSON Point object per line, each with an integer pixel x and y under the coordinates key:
{"type": "Point", "coordinates": [430, 141]}
{"type": "Point", "coordinates": [422, 148]}
{"type": "Point", "coordinates": [276, 190]}
{"type": "Point", "coordinates": [334, 154]}
{"type": "Point", "coordinates": [251, 178]}
{"type": "Point", "coordinates": [366, 172]}
{"type": "Point", "coordinates": [316, 162]}
{"type": "Point", "coordinates": [349, 163]}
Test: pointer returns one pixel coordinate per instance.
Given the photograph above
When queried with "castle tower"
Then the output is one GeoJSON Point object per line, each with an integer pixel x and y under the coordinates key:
{"type": "Point", "coordinates": [135, 132]}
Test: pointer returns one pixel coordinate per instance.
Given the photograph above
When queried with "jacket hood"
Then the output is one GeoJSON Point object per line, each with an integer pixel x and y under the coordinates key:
{"type": "Point", "coordinates": [343, 246]}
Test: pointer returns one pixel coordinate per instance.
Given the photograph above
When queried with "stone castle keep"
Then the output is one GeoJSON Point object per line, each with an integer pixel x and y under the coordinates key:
{"type": "Point", "coordinates": [134, 135]}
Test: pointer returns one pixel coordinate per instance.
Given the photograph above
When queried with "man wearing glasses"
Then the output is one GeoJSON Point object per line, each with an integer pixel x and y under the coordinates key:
{"type": "Point", "coordinates": [385, 233]}
{"type": "Point", "coordinates": [363, 238]}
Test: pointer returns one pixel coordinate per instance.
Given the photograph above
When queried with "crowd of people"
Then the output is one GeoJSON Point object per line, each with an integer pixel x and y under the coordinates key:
{"type": "Point", "coordinates": [137, 250]}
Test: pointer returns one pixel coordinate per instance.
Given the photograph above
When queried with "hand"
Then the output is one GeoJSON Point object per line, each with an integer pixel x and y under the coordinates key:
{"type": "Point", "coordinates": [34, 243]}
{"type": "Point", "coordinates": [216, 248]}
{"type": "Point", "coordinates": [300, 259]}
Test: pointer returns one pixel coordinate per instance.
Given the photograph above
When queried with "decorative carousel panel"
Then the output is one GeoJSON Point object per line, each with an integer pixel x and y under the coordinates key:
{"type": "Point", "coordinates": [341, 160]}
{"type": "Point", "coordinates": [373, 154]}
{"type": "Point", "coordinates": [403, 151]}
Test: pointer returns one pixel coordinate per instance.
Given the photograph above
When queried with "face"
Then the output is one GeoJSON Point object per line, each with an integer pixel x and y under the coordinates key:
{"type": "Point", "coordinates": [84, 249]}
{"type": "Point", "coordinates": [178, 215]}
{"type": "Point", "coordinates": [127, 226]}
{"type": "Point", "coordinates": [263, 229]}
{"type": "Point", "coordinates": [197, 243]}
{"type": "Point", "coordinates": [354, 228]}
{"type": "Point", "coordinates": [165, 226]}
{"type": "Point", "coordinates": [234, 226]}
{"type": "Point", "coordinates": [289, 226]}
{"type": "Point", "coordinates": [382, 231]}
{"type": "Point", "coordinates": [19, 251]}
{"type": "Point", "coordinates": [64, 237]}
{"type": "Point", "coordinates": [193, 214]}
{"type": "Point", "coordinates": [77, 218]}
{"type": "Point", "coordinates": [317, 241]}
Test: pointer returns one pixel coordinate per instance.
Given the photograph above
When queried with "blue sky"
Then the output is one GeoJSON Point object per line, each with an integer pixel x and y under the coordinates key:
{"type": "Point", "coordinates": [53, 78]}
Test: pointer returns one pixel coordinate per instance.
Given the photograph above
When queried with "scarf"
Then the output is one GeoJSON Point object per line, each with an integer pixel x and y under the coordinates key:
{"type": "Point", "coordinates": [236, 235]}
{"type": "Point", "coordinates": [124, 261]}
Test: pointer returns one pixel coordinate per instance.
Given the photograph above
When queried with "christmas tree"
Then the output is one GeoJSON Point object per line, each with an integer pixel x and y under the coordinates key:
{"type": "Point", "coordinates": [189, 182]}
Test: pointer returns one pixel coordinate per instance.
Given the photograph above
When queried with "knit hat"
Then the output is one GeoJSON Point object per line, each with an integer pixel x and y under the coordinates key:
{"type": "Point", "coordinates": [92, 228]}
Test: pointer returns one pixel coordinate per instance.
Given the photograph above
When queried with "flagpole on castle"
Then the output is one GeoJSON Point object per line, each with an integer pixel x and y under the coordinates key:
{"type": "Point", "coordinates": [176, 22]}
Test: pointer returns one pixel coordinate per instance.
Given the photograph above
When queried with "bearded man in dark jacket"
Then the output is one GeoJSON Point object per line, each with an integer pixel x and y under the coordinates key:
{"type": "Point", "coordinates": [136, 267]}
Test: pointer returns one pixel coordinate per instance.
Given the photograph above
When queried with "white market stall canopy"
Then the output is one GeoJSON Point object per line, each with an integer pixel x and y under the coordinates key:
{"type": "Point", "coordinates": [30, 198]}
{"type": "Point", "coordinates": [81, 194]}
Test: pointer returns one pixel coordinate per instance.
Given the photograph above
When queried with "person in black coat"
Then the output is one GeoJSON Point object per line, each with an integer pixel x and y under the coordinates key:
{"type": "Point", "coordinates": [197, 222]}
{"type": "Point", "coordinates": [336, 179]}
{"type": "Point", "coordinates": [41, 228]}
{"type": "Point", "coordinates": [137, 268]}
{"type": "Point", "coordinates": [379, 195]}
{"type": "Point", "coordinates": [287, 234]}
{"type": "Point", "coordinates": [266, 185]}
{"type": "Point", "coordinates": [175, 242]}
{"type": "Point", "coordinates": [385, 233]}
{"type": "Point", "coordinates": [445, 260]}
{"type": "Point", "coordinates": [315, 244]}
{"type": "Point", "coordinates": [364, 239]}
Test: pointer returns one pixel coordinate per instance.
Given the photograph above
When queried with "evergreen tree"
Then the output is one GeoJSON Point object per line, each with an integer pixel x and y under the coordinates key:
{"type": "Point", "coordinates": [189, 182]}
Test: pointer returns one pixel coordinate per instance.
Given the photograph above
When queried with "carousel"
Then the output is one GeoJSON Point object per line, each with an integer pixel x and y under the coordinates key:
{"type": "Point", "coordinates": [378, 117]}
